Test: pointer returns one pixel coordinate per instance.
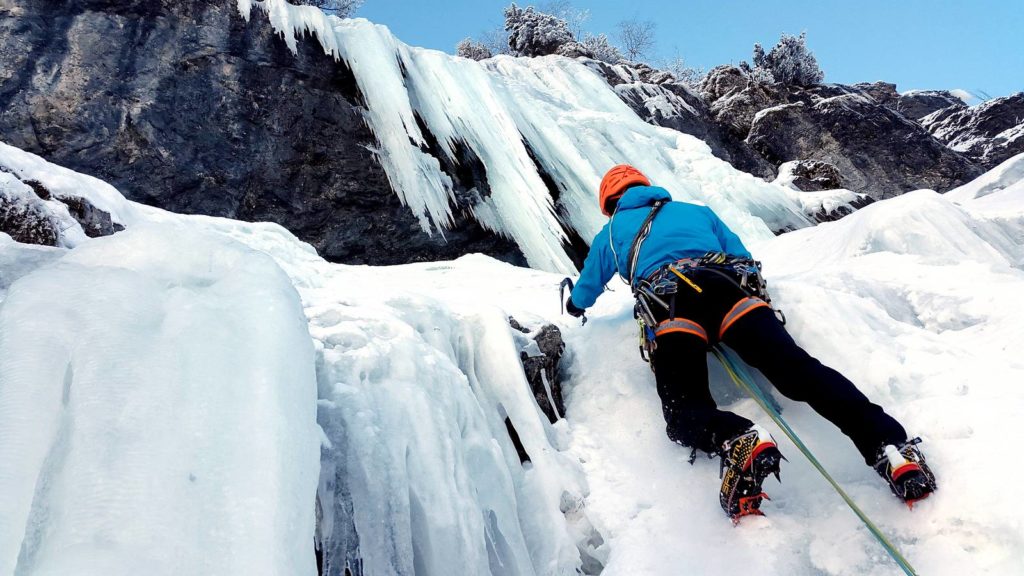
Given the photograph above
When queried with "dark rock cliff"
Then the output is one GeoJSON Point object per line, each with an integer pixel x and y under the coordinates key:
{"type": "Point", "coordinates": [877, 151]}
{"type": "Point", "coordinates": [181, 104]}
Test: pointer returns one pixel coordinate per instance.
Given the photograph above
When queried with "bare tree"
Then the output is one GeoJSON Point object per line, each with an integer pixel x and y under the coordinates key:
{"type": "Point", "coordinates": [339, 8]}
{"type": "Point", "coordinates": [574, 17]}
{"type": "Point", "coordinates": [496, 41]}
{"type": "Point", "coordinates": [636, 37]}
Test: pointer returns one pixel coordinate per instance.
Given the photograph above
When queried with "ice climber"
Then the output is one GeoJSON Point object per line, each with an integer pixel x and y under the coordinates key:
{"type": "Point", "coordinates": [696, 285]}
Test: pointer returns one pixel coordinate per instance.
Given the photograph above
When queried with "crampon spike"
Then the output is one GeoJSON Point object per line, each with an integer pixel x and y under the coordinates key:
{"type": "Point", "coordinates": [911, 501]}
{"type": "Point", "coordinates": [750, 506]}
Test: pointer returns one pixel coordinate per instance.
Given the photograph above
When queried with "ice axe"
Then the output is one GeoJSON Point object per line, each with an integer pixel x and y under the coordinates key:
{"type": "Point", "coordinates": [561, 298]}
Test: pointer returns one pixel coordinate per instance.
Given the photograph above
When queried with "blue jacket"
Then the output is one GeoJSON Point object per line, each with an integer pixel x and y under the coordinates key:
{"type": "Point", "coordinates": [680, 230]}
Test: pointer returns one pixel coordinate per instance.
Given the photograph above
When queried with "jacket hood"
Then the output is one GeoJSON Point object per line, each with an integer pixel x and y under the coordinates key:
{"type": "Point", "coordinates": [640, 196]}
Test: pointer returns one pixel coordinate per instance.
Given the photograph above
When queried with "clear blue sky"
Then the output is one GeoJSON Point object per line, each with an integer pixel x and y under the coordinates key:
{"type": "Point", "coordinates": [977, 45]}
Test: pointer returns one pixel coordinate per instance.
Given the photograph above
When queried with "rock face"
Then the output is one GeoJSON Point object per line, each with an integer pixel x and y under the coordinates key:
{"type": "Point", "coordinates": [541, 355]}
{"type": "Point", "coordinates": [920, 103]}
{"type": "Point", "coordinates": [658, 99]}
{"type": "Point", "coordinates": [24, 218]}
{"type": "Point", "coordinates": [757, 127]}
{"type": "Point", "coordinates": [988, 133]}
{"type": "Point", "coordinates": [878, 151]}
{"type": "Point", "coordinates": [183, 105]}
{"type": "Point", "coordinates": [814, 175]}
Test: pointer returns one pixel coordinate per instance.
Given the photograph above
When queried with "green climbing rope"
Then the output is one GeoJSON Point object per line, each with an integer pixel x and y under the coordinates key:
{"type": "Point", "coordinates": [742, 380]}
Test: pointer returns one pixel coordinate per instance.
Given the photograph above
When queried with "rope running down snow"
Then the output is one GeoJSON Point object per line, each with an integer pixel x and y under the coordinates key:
{"type": "Point", "coordinates": [740, 377]}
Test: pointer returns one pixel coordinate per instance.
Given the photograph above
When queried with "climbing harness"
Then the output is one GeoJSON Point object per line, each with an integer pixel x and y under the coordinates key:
{"type": "Point", "coordinates": [661, 287]}
{"type": "Point", "coordinates": [743, 380]}
{"type": "Point", "coordinates": [638, 240]}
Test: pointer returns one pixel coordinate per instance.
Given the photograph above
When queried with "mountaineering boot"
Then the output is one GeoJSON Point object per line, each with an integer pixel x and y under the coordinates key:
{"type": "Point", "coordinates": [747, 460]}
{"type": "Point", "coordinates": [906, 471]}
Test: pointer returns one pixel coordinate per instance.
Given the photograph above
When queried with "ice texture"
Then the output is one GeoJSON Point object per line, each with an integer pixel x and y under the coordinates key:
{"type": "Point", "coordinates": [157, 411]}
{"type": "Point", "coordinates": [504, 109]}
{"type": "Point", "coordinates": [185, 314]}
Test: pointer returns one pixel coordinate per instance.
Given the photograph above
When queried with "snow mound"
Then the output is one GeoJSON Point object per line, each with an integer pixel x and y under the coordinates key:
{"type": "Point", "coordinates": [1007, 177]}
{"type": "Point", "coordinates": [157, 405]}
{"type": "Point", "coordinates": [528, 121]}
{"type": "Point", "coordinates": [921, 223]}
{"type": "Point", "coordinates": [17, 260]}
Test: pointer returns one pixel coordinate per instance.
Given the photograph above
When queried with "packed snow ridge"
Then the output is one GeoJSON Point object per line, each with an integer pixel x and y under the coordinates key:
{"type": "Point", "coordinates": [522, 117]}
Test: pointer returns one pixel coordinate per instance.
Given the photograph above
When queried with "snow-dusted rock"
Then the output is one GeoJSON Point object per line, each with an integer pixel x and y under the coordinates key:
{"type": "Point", "coordinates": [736, 109]}
{"type": "Point", "coordinates": [878, 151]}
{"type": "Point", "coordinates": [24, 216]}
{"type": "Point", "coordinates": [722, 80]}
{"type": "Point", "coordinates": [810, 175]}
{"type": "Point", "coordinates": [917, 104]}
{"type": "Point", "coordinates": [541, 353]}
{"type": "Point", "coordinates": [676, 106]}
{"type": "Point", "coordinates": [989, 133]}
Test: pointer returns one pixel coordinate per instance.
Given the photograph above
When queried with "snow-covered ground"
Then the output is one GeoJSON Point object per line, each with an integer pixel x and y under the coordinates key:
{"type": "Point", "coordinates": [157, 405]}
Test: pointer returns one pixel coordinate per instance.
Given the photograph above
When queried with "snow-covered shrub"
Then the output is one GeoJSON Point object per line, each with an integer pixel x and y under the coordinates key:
{"type": "Point", "coordinates": [684, 74]}
{"type": "Point", "coordinates": [724, 79]}
{"type": "Point", "coordinates": [602, 49]}
{"type": "Point", "coordinates": [469, 48]}
{"type": "Point", "coordinates": [339, 8]}
{"type": "Point", "coordinates": [789, 62]}
{"type": "Point", "coordinates": [574, 49]}
{"type": "Point", "coordinates": [534, 33]}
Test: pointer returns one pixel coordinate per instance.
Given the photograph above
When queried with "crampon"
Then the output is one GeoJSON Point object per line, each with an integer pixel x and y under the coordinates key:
{"type": "Point", "coordinates": [905, 469]}
{"type": "Point", "coordinates": [746, 461]}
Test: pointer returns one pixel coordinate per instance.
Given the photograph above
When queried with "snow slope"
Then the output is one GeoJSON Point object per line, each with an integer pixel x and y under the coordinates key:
{"type": "Point", "coordinates": [156, 406]}
{"type": "Point", "coordinates": [506, 109]}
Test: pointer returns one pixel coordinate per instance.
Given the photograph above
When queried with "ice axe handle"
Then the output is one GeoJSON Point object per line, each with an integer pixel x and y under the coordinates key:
{"type": "Point", "coordinates": [561, 298]}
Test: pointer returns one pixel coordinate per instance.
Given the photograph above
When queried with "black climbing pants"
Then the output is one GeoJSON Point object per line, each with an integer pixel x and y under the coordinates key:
{"type": "Point", "coordinates": [691, 415]}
